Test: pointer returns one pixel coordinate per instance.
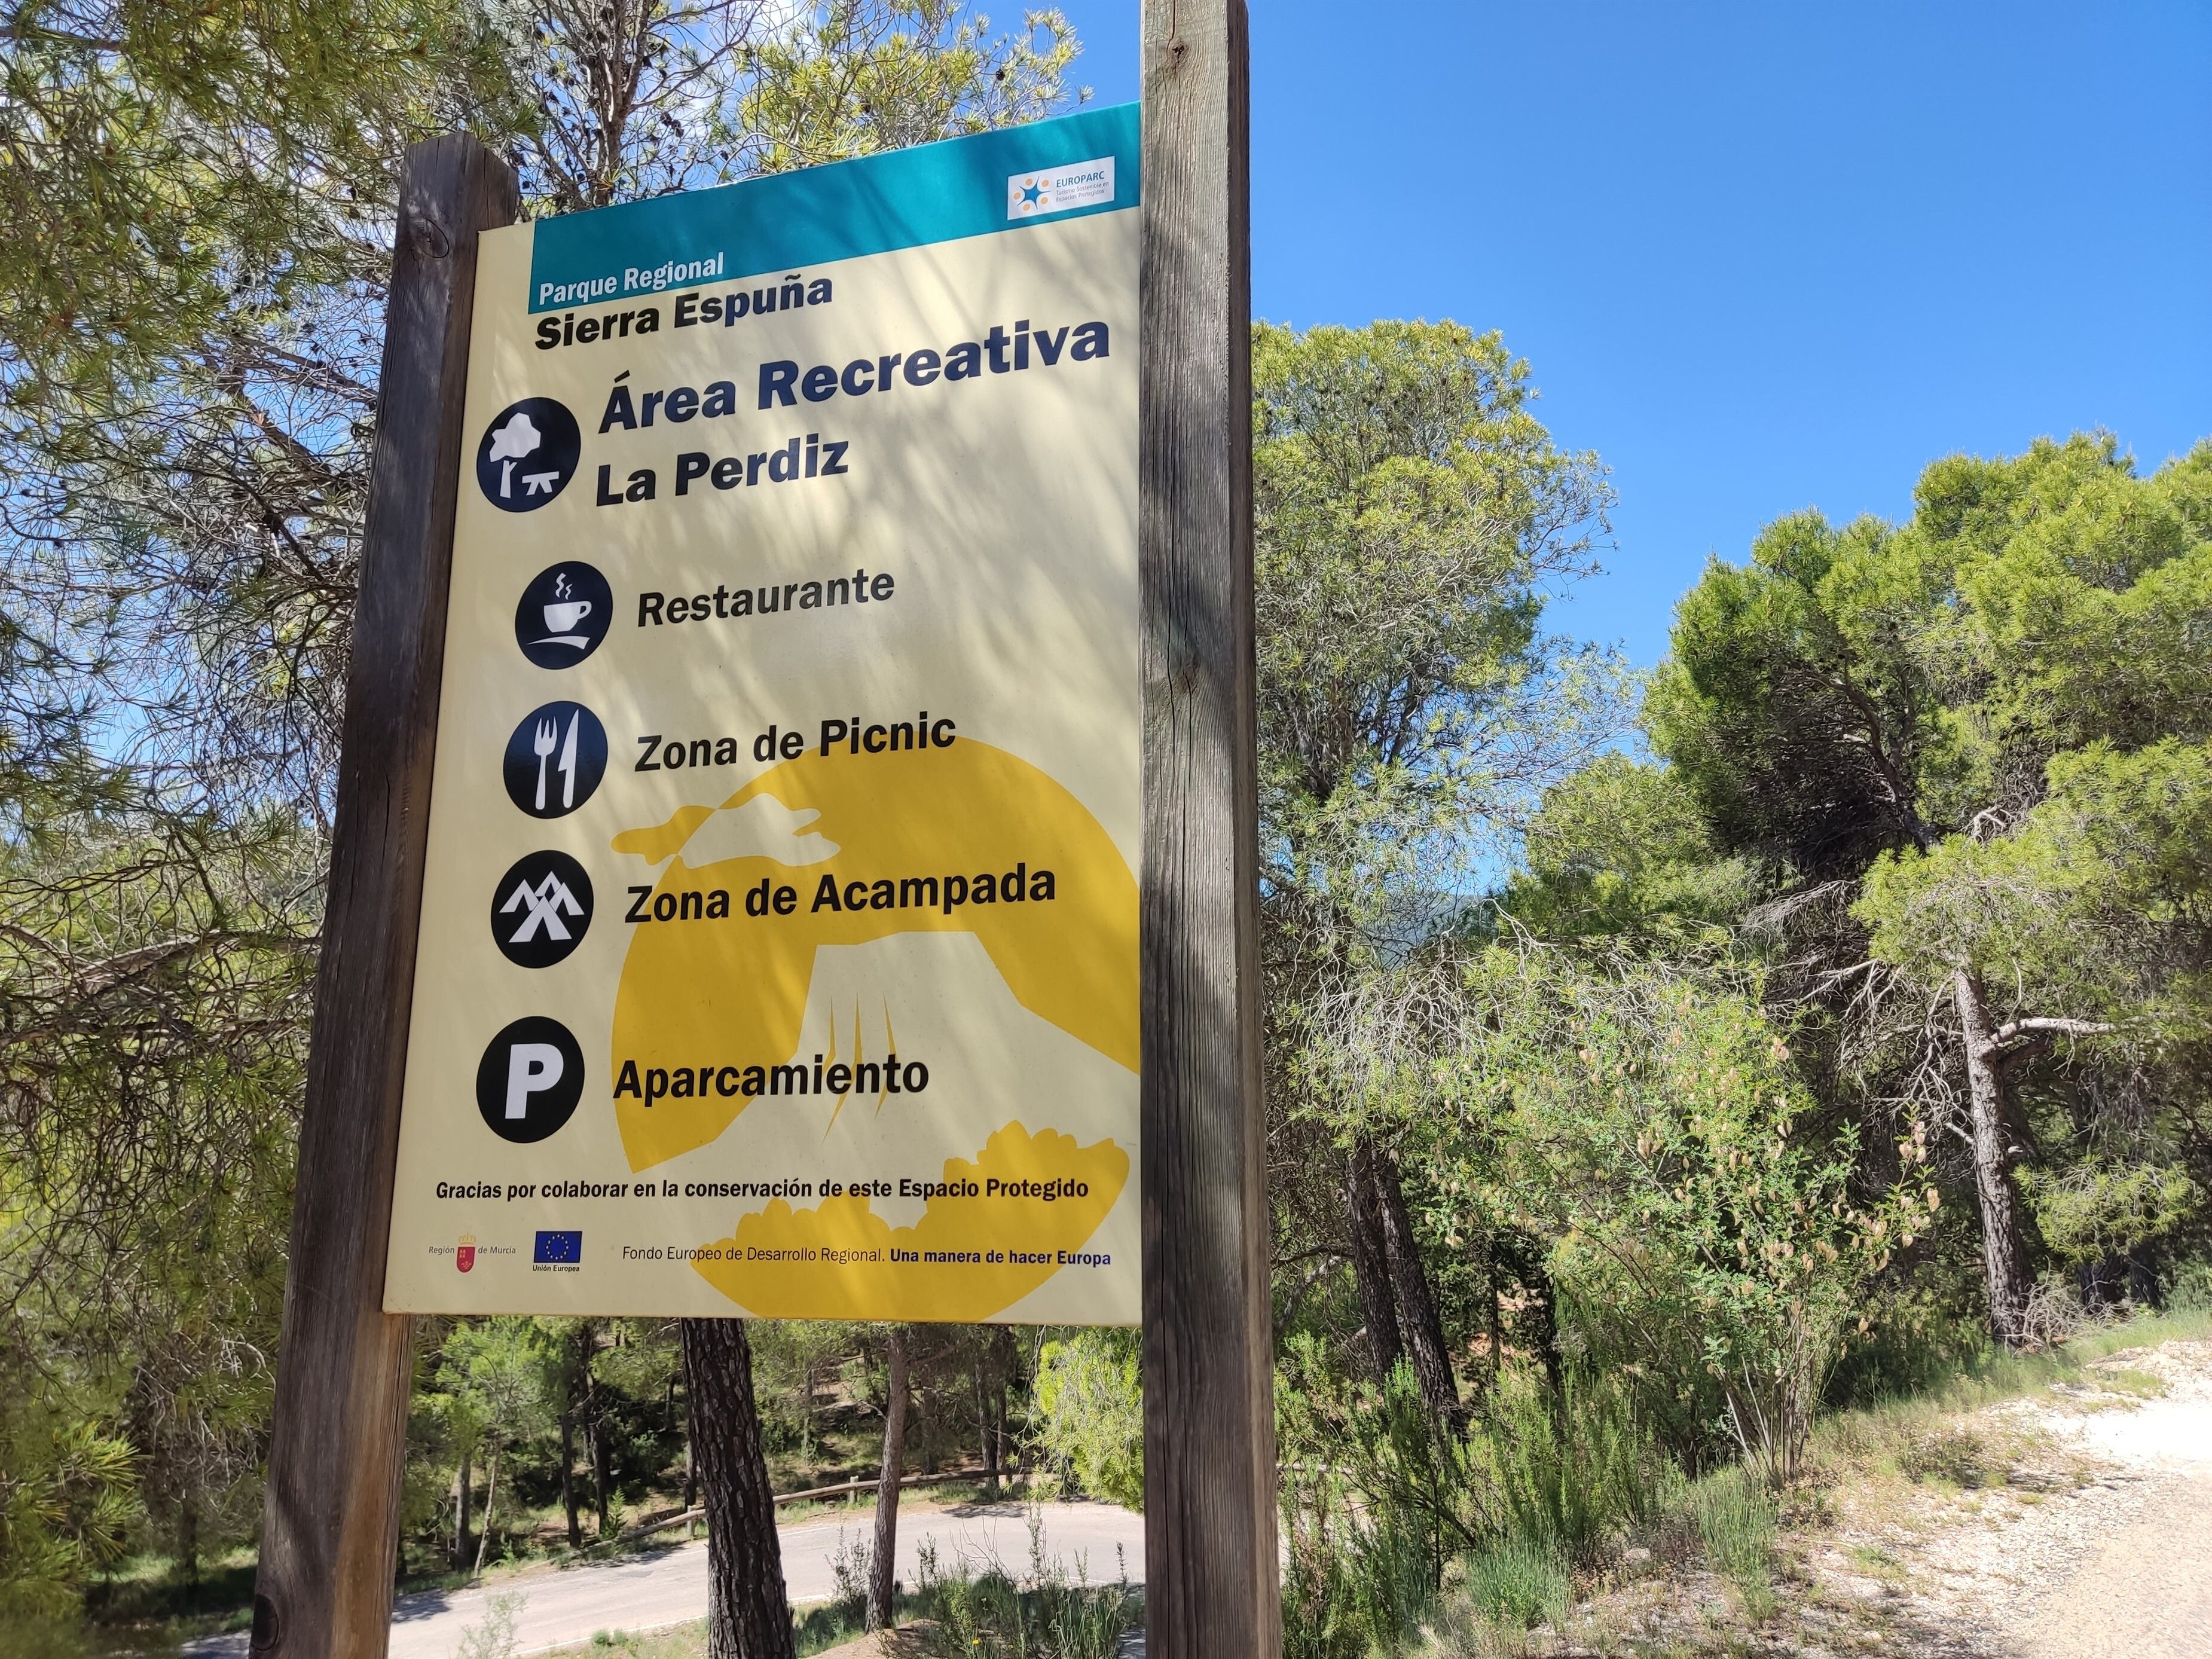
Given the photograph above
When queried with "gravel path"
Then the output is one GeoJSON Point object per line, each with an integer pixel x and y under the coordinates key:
{"type": "Point", "coordinates": [2098, 1544]}
{"type": "Point", "coordinates": [2144, 1588]}
{"type": "Point", "coordinates": [2144, 1592]}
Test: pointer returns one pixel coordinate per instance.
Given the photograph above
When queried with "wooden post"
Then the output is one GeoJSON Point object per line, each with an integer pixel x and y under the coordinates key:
{"type": "Point", "coordinates": [1211, 1580]}
{"type": "Point", "coordinates": [331, 1516]}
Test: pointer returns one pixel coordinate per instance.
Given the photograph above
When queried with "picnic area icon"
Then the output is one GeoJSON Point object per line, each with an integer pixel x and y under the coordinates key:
{"type": "Point", "coordinates": [528, 455]}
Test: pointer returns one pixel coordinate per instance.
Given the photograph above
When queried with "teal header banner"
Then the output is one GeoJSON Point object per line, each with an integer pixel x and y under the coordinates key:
{"type": "Point", "coordinates": [1008, 180]}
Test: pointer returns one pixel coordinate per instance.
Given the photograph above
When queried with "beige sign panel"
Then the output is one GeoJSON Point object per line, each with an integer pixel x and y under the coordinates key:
{"type": "Point", "coordinates": [778, 938]}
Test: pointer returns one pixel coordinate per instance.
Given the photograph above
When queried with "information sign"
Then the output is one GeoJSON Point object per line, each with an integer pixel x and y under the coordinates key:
{"type": "Point", "coordinates": [778, 948]}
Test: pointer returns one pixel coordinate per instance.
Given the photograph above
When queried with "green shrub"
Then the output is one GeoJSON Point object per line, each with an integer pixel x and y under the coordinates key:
{"type": "Point", "coordinates": [1374, 1502]}
{"type": "Point", "coordinates": [1379, 1498]}
{"type": "Point", "coordinates": [989, 1615]}
{"type": "Point", "coordinates": [1517, 1583]}
{"type": "Point", "coordinates": [1349, 1447]}
{"type": "Point", "coordinates": [33, 1636]}
{"type": "Point", "coordinates": [1090, 1414]}
{"type": "Point", "coordinates": [1912, 1338]}
{"type": "Point", "coordinates": [1735, 1518]}
{"type": "Point", "coordinates": [1659, 1131]}
{"type": "Point", "coordinates": [1951, 1454]}
{"type": "Point", "coordinates": [67, 1496]}
{"type": "Point", "coordinates": [1352, 1587]}
{"type": "Point", "coordinates": [2098, 1209]}
{"type": "Point", "coordinates": [2189, 1287]}
{"type": "Point", "coordinates": [1564, 1470]}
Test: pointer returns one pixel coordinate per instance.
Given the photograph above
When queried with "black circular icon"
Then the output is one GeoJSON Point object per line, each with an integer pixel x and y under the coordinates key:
{"type": "Point", "coordinates": [529, 1079]}
{"type": "Point", "coordinates": [555, 759]}
{"type": "Point", "coordinates": [540, 910]}
{"type": "Point", "coordinates": [563, 616]}
{"type": "Point", "coordinates": [528, 455]}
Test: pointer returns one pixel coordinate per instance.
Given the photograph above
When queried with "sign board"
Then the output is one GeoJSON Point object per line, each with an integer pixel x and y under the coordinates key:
{"type": "Point", "coordinates": [778, 946]}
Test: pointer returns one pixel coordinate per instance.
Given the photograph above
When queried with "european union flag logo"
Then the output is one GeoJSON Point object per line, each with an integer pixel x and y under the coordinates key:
{"type": "Point", "coordinates": [559, 1246]}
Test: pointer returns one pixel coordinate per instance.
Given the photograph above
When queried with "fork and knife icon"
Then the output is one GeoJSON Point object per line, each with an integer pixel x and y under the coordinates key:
{"type": "Point", "coordinates": [542, 743]}
{"type": "Point", "coordinates": [556, 757]}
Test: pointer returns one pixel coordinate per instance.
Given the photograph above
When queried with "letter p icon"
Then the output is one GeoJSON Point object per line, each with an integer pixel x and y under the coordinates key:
{"type": "Point", "coordinates": [532, 1068]}
{"type": "Point", "coordinates": [529, 1079]}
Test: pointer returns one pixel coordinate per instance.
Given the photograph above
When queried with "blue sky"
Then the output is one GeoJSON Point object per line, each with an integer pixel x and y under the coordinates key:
{"type": "Point", "coordinates": [1759, 256]}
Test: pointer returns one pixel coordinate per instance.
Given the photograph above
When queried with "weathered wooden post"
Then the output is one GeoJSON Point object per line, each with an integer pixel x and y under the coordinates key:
{"type": "Point", "coordinates": [331, 1515]}
{"type": "Point", "coordinates": [1210, 1560]}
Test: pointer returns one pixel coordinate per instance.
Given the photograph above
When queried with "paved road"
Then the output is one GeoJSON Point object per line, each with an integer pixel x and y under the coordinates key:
{"type": "Point", "coordinates": [668, 1586]}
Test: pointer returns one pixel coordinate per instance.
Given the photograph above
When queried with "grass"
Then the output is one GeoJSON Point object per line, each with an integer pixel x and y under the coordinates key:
{"type": "Point", "coordinates": [1736, 1518]}
{"type": "Point", "coordinates": [687, 1641]}
{"type": "Point", "coordinates": [1948, 1455]}
{"type": "Point", "coordinates": [992, 1616]}
{"type": "Point", "coordinates": [1878, 1563]}
{"type": "Point", "coordinates": [2145, 1330]}
{"type": "Point", "coordinates": [962, 1614]}
{"type": "Point", "coordinates": [1651, 1599]}
{"type": "Point", "coordinates": [1738, 1527]}
{"type": "Point", "coordinates": [1917, 1436]}
{"type": "Point", "coordinates": [33, 1636]}
{"type": "Point", "coordinates": [814, 1630]}
{"type": "Point", "coordinates": [949, 1494]}
{"type": "Point", "coordinates": [1517, 1583]}
{"type": "Point", "coordinates": [147, 1587]}
{"type": "Point", "coordinates": [2141, 1384]}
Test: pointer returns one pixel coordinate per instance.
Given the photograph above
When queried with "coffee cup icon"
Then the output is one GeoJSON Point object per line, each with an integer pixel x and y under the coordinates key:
{"type": "Point", "coordinates": [563, 615]}
{"type": "Point", "coordinates": [563, 618]}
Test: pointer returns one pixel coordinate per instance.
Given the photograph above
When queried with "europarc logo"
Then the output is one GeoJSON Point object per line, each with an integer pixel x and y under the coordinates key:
{"type": "Point", "coordinates": [1058, 190]}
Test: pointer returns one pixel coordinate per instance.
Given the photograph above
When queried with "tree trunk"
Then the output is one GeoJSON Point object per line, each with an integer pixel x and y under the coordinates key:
{"type": "Point", "coordinates": [188, 1542]}
{"type": "Point", "coordinates": [1001, 1441]}
{"type": "Point", "coordinates": [987, 1416]}
{"type": "Point", "coordinates": [1006, 1373]}
{"type": "Point", "coordinates": [491, 1502]}
{"type": "Point", "coordinates": [596, 1442]}
{"type": "Point", "coordinates": [2103, 1282]}
{"type": "Point", "coordinates": [747, 1616]}
{"type": "Point", "coordinates": [464, 1500]}
{"type": "Point", "coordinates": [595, 1428]}
{"type": "Point", "coordinates": [882, 1559]}
{"type": "Point", "coordinates": [690, 1465]}
{"type": "Point", "coordinates": [2143, 1280]}
{"type": "Point", "coordinates": [1370, 1262]}
{"type": "Point", "coordinates": [2004, 1245]}
{"type": "Point", "coordinates": [806, 1414]}
{"type": "Point", "coordinates": [569, 1479]}
{"type": "Point", "coordinates": [1494, 1315]}
{"type": "Point", "coordinates": [983, 1422]}
{"type": "Point", "coordinates": [1417, 1320]}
